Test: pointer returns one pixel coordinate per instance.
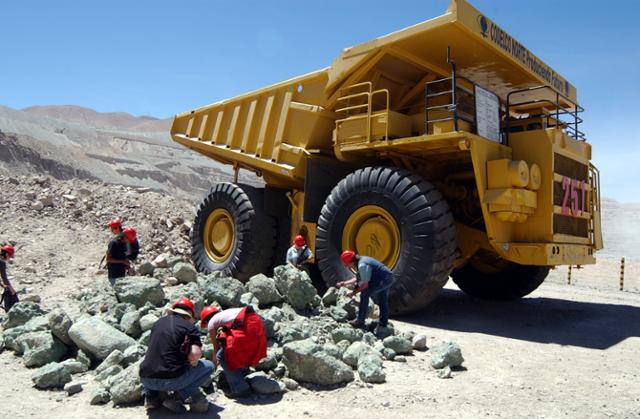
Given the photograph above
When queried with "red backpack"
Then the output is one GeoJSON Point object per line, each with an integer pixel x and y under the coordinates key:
{"type": "Point", "coordinates": [244, 340]}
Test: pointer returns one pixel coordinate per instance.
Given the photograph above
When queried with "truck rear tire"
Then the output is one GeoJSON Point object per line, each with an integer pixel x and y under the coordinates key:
{"type": "Point", "coordinates": [231, 232]}
{"type": "Point", "coordinates": [503, 281]}
{"type": "Point", "coordinates": [398, 218]}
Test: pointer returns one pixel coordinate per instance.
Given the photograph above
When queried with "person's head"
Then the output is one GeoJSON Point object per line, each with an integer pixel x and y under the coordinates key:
{"type": "Point", "coordinates": [206, 314]}
{"type": "Point", "coordinates": [7, 252]}
{"type": "Point", "coordinates": [184, 307]}
{"type": "Point", "coordinates": [130, 234]}
{"type": "Point", "coordinates": [115, 226]}
{"type": "Point", "coordinates": [349, 258]}
{"type": "Point", "coordinates": [299, 241]}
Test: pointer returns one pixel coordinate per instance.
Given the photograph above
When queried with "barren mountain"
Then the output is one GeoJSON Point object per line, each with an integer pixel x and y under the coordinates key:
{"type": "Point", "coordinates": [73, 142]}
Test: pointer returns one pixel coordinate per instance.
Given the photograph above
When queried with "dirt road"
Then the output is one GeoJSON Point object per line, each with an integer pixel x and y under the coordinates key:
{"type": "Point", "coordinates": [566, 351]}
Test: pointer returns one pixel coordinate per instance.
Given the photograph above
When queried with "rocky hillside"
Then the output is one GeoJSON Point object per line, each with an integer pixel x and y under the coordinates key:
{"type": "Point", "coordinates": [68, 142]}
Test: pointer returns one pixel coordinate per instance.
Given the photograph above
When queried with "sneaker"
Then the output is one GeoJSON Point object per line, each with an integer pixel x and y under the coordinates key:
{"type": "Point", "coordinates": [356, 324]}
{"type": "Point", "coordinates": [174, 403]}
{"type": "Point", "coordinates": [240, 395]}
{"type": "Point", "coordinates": [198, 403]}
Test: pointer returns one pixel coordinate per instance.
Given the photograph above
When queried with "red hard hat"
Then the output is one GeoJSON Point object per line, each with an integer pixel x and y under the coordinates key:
{"type": "Point", "coordinates": [205, 313]}
{"type": "Point", "coordinates": [115, 223]}
{"type": "Point", "coordinates": [182, 303]}
{"type": "Point", "coordinates": [299, 240]}
{"type": "Point", "coordinates": [9, 250]}
{"type": "Point", "coordinates": [130, 233]}
{"type": "Point", "coordinates": [347, 256]}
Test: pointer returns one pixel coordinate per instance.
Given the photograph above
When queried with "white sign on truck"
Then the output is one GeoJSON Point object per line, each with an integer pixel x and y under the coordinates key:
{"type": "Point", "coordinates": [487, 114]}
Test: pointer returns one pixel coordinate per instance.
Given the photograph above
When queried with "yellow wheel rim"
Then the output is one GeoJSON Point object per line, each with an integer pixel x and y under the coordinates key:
{"type": "Point", "coordinates": [219, 235]}
{"type": "Point", "coordinates": [372, 231]}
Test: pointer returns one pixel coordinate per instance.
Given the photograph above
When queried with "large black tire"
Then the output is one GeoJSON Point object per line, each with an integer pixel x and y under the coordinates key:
{"type": "Point", "coordinates": [255, 233]}
{"type": "Point", "coordinates": [427, 232]}
{"type": "Point", "coordinates": [502, 281]}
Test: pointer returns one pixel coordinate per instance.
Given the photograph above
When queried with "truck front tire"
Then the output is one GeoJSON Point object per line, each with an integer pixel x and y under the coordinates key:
{"type": "Point", "coordinates": [231, 232]}
{"type": "Point", "coordinates": [407, 210]}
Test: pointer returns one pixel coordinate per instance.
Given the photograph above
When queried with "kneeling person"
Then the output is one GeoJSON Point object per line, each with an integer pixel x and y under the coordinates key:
{"type": "Point", "coordinates": [239, 341]}
{"type": "Point", "coordinates": [172, 362]}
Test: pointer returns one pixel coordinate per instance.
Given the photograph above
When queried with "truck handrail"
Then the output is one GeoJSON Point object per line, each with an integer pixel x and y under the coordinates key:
{"type": "Point", "coordinates": [368, 106]}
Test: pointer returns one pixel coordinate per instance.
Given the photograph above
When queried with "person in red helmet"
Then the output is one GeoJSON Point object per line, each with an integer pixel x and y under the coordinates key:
{"type": "Point", "coordinates": [372, 279]}
{"type": "Point", "coordinates": [299, 254]}
{"type": "Point", "coordinates": [117, 262]}
{"type": "Point", "coordinates": [239, 341]}
{"type": "Point", "coordinates": [172, 363]}
{"type": "Point", "coordinates": [115, 226]}
{"type": "Point", "coordinates": [133, 247]}
{"type": "Point", "coordinates": [9, 295]}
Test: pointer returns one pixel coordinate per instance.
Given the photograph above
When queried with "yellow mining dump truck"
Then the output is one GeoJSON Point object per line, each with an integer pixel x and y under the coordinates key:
{"type": "Point", "coordinates": [443, 149]}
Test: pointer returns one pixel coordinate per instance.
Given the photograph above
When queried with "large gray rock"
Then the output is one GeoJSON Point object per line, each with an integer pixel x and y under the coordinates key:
{"type": "Point", "coordinates": [52, 375]}
{"type": "Point", "coordinates": [192, 291]}
{"type": "Point", "coordinates": [262, 384]}
{"type": "Point", "coordinates": [126, 387]}
{"type": "Point", "coordinates": [97, 298]}
{"type": "Point", "coordinates": [133, 354]}
{"type": "Point", "coordinates": [290, 332]}
{"type": "Point", "coordinates": [264, 289]}
{"type": "Point", "coordinates": [272, 318]}
{"type": "Point", "coordinates": [10, 336]}
{"type": "Point", "coordinates": [97, 338]}
{"type": "Point", "coordinates": [21, 313]}
{"type": "Point", "coordinates": [40, 348]}
{"type": "Point", "coordinates": [59, 322]}
{"type": "Point", "coordinates": [346, 333]}
{"type": "Point", "coordinates": [356, 351]}
{"type": "Point", "coordinates": [226, 291]}
{"type": "Point", "coordinates": [370, 369]}
{"type": "Point", "coordinates": [115, 358]}
{"type": "Point", "coordinates": [138, 290]}
{"type": "Point", "coordinates": [130, 324]}
{"type": "Point", "coordinates": [184, 272]}
{"type": "Point", "coordinates": [399, 344]}
{"type": "Point", "coordinates": [446, 354]}
{"type": "Point", "coordinates": [296, 287]}
{"type": "Point", "coordinates": [307, 362]}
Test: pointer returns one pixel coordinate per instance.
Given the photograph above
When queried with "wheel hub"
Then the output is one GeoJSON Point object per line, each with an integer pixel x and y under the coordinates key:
{"type": "Point", "coordinates": [219, 235]}
{"type": "Point", "coordinates": [372, 231]}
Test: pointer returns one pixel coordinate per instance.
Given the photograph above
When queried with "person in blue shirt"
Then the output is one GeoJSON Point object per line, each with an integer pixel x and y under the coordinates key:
{"type": "Point", "coordinates": [372, 279]}
{"type": "Point", "coordinates": [299, 255]}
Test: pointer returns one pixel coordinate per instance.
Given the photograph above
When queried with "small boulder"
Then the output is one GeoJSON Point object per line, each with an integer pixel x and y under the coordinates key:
{"type": "Point", "coordinates": [115, 358]}
{"type": "Point", "coordinates": [264, 289]}
{"type": "Point", "coordinates": [290, 383]}
{"type": "Point", "coordinates": [346, 333]}
{"type": "Point", "coordinates": [138, 290]}
{"type": "Point", "coordinates": [446, 354]}
{"type": "Point", "coordinates": [307, 362]}
{"type": "Point", "coordinates": [133, 354]}
{"type": "Point", "coordinates": [330, 298]}
{"type": "Point", "coordinates": [399, 344]}
{"type": "Point", "coordinates": [225, 290]}
{"type": "Point", "coordinates": [126, 387]}
{"type": "Point", "coordinates": [52, 375]}
{"type": "Point", "coordinates": [130, 324]}
{"type": "Point", "coordinates": [161, 261]}
{"type": "Point", "coordinates": [262, 384]}
{"type": "Point", "coordinates": [73, 366]}
{"type": "Point", "coordinates": [40, 348]}
{"type": "Point", "coordinates": [338, 314]}
{"type": "Point", "coordinates": [10, 336]}
{"type": "Point", "coordinates": [147, 321]}
{"type": "Point", "coordinates": [146, 269]}
{"type": "Point", "coordinates": [60, 323]}
{"type": "Point", "coordinates": [74, 387]}
{"type": "Point", "coordinates": [444, 372]}
{"type": "Point", "coordinates": [419, 342]}
{"type": "Point", "coordinates": [99, 396]}
{"type": "Point", "coordinates": [296, 287]}
{"type": "Point", "coordinates": [370, 369]}
{"type": "Point", "coordinates": [21, 313]}
{"type": "Point", "coordinates": [248, 299]}
{"type": "Point", "coordinates": [184, 272]}
{"type": "Point", "coordinates": [97, 338]}
{"type": "Point", "coordinates": [97, 298]}
{"type": "Point", "coordinates": [268, 363]}
{"type": "Point", "coordinates": [356, 351]}
{"type": "Point", "coordinates": [107, 373]}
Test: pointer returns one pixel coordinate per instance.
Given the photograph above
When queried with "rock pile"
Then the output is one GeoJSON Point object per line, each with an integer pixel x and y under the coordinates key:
{"type": "Point", "coordinates": [309, 342]}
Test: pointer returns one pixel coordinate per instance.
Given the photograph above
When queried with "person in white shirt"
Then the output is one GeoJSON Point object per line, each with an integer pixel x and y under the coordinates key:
{"type": "Point", "coordinates": [299, 254]}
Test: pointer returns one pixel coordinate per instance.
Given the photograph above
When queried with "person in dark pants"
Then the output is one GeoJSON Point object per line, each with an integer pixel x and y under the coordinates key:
{"type": "Point", "coordinates": [172, 362]}
{"type": "Point", "coordinates": [372, 279]}
{"type": "Point", "coordinates": [9, 295]}
{"type": "Point", "coordinates": [133, 247]}
{"type": "Point", "coordinates": [117, 262]}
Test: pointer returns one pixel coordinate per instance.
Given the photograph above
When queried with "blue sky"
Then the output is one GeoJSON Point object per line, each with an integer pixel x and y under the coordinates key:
{"type": "Point", "coordinates": [161, 57]}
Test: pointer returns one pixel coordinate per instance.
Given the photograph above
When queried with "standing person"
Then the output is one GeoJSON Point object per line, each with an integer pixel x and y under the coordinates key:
{"type": "Point", "coordinates": [239, 341]}
{"type": "Point", "coordinates": [117, 262]}
{"type": "Point", "coordinates": [9, 295]}
{"type": "Point", "coordinates": [372, 279]}
{"type": "Point", "coordinates": [115, 226]}
{"type": "Point", "coordinates": [299, 254]}
{"type": "Point", "coordinates": [133, 247]}
{"type": "Point", "coordinates": [172, 362]}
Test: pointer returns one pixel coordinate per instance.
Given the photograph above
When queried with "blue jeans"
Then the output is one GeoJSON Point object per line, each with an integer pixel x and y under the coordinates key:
{"type": "Point", "coordinates": [379, 291]}
{"type": "Point", "coordinates": [185, 385]}
{"type": "Point", "coordinates": [235, 379]}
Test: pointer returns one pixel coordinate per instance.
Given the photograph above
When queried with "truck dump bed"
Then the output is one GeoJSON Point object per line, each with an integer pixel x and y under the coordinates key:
{"type": "Point", "coordinates": [271, 130]}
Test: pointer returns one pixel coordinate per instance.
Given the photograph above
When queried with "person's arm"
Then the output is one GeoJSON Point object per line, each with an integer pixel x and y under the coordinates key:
{"type": "Point", "coordinates": [346, 283]}
{"type": "Point", "coordinates": [365, 271]}
{"type": "Point", "coordinates": [310, 259]}
{"type": "Point", "coordinates": [214, 341]}
{"type": "Point", "coordinates": [3, 275]}
{"type": "Point", "coordinates": [194, 354]}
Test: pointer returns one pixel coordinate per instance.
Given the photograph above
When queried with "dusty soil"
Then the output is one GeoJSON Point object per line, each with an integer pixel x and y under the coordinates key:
{"type": "Point", "coordinates": [565, 351]}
